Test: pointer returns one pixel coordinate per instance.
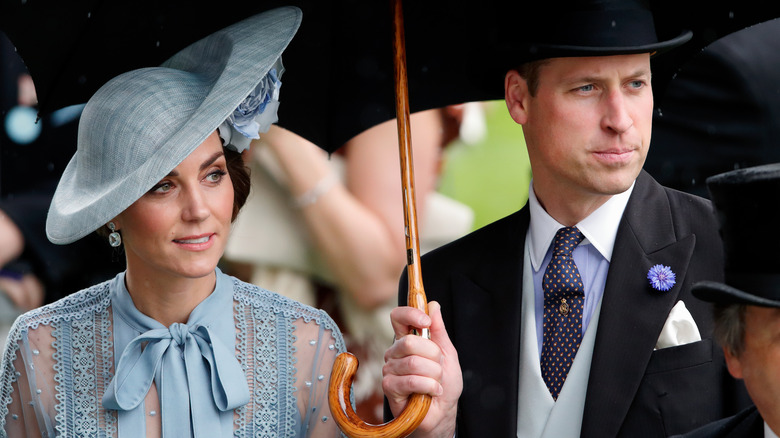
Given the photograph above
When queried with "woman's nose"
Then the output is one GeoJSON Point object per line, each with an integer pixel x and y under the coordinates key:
{"type": "Point", "coordinates": [194, 205]}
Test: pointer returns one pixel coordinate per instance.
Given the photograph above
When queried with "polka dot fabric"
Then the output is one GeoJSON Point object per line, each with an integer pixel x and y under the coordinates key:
{"type": "Point", "coordinates": [563, 299]}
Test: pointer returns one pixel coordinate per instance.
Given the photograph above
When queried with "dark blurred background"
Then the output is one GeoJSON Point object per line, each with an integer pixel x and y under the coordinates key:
{"type": "Point", "coordinates": [33, 155]}
{"type": "Point", "coordinates": [720, 112]}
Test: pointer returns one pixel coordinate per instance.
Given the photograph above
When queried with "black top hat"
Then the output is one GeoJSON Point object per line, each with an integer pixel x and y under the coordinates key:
{"type": "Point", "coordinates": [746, 202]}
{"type": "Point", "coordinates": [553, 29]}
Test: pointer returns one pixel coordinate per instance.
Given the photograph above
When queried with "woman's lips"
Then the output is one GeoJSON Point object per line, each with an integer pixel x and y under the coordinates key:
{"type": "Point", "coordinates": [195, 243]}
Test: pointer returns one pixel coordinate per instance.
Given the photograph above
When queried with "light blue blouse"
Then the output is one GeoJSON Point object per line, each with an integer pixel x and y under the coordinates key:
{"type": "Point", "coordinates": [91, 364]}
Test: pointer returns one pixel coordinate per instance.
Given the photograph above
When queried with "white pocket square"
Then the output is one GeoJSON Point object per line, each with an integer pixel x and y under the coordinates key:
{"type": "Point", "coordinates": [679, 328]}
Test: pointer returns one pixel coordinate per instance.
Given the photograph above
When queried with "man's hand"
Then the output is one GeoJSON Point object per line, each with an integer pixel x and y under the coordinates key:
{"type": "Point", "coordinates": [414, 364]}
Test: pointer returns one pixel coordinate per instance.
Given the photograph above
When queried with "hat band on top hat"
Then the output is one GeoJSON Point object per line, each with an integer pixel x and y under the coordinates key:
{"type": "Point", "coordinates": [761, 285]}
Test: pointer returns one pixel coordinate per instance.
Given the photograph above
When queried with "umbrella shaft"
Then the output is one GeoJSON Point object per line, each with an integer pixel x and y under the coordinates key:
{"type": "Point", "coordinates": [407, 167]}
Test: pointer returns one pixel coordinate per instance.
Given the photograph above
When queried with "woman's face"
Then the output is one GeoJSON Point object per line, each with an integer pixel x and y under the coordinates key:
{"type": "Point", "coordinates": [180, 227]}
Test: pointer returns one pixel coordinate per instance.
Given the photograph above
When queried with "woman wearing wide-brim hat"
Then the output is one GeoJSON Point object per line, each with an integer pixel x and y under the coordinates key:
{"type": "Point", "coordinates": [172, 346]}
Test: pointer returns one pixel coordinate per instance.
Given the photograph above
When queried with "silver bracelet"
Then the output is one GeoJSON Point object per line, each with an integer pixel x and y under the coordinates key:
{"type": "Point", "coordinates": [314, 194]}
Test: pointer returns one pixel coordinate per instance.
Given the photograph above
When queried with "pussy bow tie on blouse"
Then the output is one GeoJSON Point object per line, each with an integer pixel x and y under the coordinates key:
{"type": "Point", "coordinates": [191, 360]}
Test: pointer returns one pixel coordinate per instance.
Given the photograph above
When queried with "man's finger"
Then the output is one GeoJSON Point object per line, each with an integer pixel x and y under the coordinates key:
{"type": "Point", "coordinates": [438, 330]}
{"type": "Point", "coordinates": [416, 365]}
{"type": "Point", "coordinates": [412, 345]}
{"type": "Point", "coordinates": [405, 319]}
{"type": "Point", "coordinates": [398, 388]}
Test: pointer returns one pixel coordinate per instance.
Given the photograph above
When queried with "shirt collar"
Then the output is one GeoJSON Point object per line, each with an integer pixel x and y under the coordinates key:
{"type": "Point", "coordinates": [768, 433]}
{"type": "Point", "coordinates": [599, 228]}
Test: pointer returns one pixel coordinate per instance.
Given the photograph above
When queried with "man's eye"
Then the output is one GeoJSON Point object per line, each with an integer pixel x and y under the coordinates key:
{"type": "Point", "coordinates": [586, 88]}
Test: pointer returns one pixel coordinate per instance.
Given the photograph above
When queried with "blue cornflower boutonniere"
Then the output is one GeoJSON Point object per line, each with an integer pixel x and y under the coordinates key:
{"type": "Point", "coordinates": [661, 277]}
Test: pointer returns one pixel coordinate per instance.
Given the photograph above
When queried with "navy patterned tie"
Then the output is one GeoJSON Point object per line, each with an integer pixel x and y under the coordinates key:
{"type": "Point", "coordinates": [563, 299]}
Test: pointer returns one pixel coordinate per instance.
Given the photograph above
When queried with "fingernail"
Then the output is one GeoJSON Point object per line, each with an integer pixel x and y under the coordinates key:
{"type": "Point", "coordinates": [440, 391]}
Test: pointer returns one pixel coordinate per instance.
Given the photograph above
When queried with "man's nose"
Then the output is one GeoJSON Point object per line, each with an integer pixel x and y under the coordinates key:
{"type": "Point", "coordinates": [616, 115]}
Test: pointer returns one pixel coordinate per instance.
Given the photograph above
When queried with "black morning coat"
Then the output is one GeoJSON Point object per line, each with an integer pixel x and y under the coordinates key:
{"type": "Point", "coordinates": [746, 424]}
{"type": "Point", "coordinates": [633, 391]}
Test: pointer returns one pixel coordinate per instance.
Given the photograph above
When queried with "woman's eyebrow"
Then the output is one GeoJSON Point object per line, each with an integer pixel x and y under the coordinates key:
{"type": "Point", "coordinates": [212, 159]}
{"type": "Point", "coordinates": [208, 162]}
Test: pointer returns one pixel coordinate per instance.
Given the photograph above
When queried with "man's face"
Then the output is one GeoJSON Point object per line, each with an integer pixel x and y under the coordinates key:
{"type": "Point", "coordinates": [759, 363]}
{"type": "Point", "coordinates": [588, 127]}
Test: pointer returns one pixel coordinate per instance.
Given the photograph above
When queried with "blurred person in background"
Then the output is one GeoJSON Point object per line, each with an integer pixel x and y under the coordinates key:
{"type": "Point", "coordinates": [328, 231]}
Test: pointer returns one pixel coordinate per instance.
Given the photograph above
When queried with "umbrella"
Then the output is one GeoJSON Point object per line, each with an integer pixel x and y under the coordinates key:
{"type": "Point", "coordinates": [345, 366]}
{"type": "Point", "coordinates": [338, 81]}
{"type": "Point", "coordinates": [709, 20]}
{"type": "Point", "coordinates": [726, 120]}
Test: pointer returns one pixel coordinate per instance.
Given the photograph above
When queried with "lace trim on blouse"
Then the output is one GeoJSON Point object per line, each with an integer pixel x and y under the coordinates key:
{"type": "Point", "coordinates": [84, 361]}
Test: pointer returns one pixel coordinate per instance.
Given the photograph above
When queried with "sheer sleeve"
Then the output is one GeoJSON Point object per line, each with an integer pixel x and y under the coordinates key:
{"type": "Point", "coordinates": [28, 388]}
{"type": "Point", "coordinates": [316, 349]}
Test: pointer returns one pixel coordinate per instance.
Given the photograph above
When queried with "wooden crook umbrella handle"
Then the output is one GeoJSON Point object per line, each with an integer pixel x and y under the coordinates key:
{"type": "Point", "coordinates": [346, 364]}
{"type": "Point", "coordinates": [348, 420]}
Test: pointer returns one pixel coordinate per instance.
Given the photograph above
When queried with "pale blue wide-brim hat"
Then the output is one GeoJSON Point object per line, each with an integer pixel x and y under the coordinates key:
{"type": "Point", "coordinates": [141, 124]}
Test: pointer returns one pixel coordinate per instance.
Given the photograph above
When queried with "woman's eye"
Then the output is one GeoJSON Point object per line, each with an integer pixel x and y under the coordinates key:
{"type": "Point", "coordinates": [163, 187]}
{"type": "Point", "coordinates": [216, 176]}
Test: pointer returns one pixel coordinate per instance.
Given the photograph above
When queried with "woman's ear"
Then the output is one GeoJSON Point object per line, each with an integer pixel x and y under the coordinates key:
{"type": "Point", "coordinates": [117, 223]}
{"type": "Point", "coordinates": [516, 96]}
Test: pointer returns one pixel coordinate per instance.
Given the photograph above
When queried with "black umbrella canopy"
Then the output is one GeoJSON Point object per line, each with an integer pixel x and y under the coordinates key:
{"type": "Point", "coordinates": [709, 20]}
{"type": "Point", "coordinates": [72, 48]}
{"type": "Point", "coordinates": [339, 78]}
{"type": "Point", "coordinates": [724, 107]}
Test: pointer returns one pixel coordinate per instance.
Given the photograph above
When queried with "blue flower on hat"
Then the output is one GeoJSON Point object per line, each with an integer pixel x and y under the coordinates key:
{"type": "Point", "coordinates": [254, 115]}
{"type": "Point", "coordinates": [246, 118]}
{"type": "Point", "coordinates": [661, 277]}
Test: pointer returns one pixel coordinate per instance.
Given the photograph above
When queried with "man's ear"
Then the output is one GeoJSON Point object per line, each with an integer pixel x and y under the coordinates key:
{"type": "Point", "coordinates": [516, 96]}
{"type": "Point", "coordinates": [733, 363]}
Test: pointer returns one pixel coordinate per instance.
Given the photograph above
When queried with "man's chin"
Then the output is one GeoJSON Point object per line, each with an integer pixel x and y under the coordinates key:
{"type": "Point", "coordinates": [618, 185]}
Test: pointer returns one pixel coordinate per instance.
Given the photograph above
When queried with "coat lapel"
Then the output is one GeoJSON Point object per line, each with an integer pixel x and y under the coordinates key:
{"type": "Point", "coordinates": [633, 313]}
{"type": "Point", "coordinates": [487, 305]}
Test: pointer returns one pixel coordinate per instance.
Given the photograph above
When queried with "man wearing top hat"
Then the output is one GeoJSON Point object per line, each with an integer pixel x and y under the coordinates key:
{"type": "Point", "coordinates": [574, 316]}
{"type": "Point", "coordinates": [747, 304]}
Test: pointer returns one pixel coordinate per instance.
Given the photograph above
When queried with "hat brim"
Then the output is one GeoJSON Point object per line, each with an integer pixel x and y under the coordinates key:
{"type": "Point", "coordinates": [532, 52]}
{"type": "Point", "coordinates": [721, 293]}
{"type": "Point", "coordinates": [242, 54]}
